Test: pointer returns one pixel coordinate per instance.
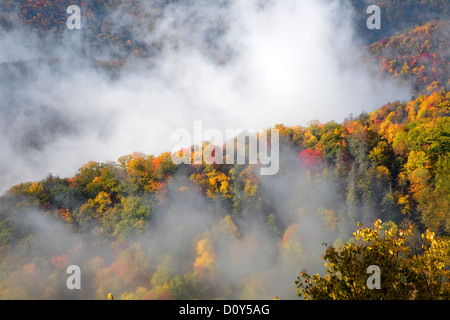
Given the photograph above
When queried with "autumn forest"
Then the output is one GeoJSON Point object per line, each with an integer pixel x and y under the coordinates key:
{"type": "Point", "coordinates": [140, 226]}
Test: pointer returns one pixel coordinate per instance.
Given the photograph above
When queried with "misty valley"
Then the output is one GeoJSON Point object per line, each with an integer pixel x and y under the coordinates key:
{"type": "Point", "coordinates": [123, 175]}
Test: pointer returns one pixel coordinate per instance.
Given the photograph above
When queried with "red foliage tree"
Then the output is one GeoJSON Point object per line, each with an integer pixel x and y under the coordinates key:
{"type": "Point", "coordinates": [311, 159]}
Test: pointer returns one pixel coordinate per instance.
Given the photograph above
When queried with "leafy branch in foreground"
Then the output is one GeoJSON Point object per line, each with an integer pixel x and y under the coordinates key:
{"type": "Point", "coordinates": [411, 268]}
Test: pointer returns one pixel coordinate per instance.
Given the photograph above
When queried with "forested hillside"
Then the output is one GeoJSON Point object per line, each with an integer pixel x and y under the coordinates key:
{"type": "Point", "coordinates": [391, 164]}
{"type": "Point", "coordinates": [400, 15]}
{"type": "Point", "coordinates": [420, 53]}
{"type": "Point", "coordinates": [143, 227]}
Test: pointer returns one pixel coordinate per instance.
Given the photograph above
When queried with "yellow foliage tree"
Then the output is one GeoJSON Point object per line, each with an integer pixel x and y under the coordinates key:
{"type": "Point", "coordinates": [206, 258]}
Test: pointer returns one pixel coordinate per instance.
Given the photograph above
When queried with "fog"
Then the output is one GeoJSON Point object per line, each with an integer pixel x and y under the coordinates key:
{"type": "Point", "coordinates": [245, 260]}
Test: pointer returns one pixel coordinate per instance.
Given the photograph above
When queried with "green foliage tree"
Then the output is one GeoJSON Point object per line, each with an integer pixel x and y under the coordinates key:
{"type": "Point", "coordinates": [185, 286]}
{"type": "Point", "coordinates": [409, 269]}
{"type": "Point", "coordinates": [130, 217]}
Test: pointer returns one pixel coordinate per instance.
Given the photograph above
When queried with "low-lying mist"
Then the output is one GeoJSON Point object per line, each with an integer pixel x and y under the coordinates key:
{"type": "Point", "coordinates": [194, 246]}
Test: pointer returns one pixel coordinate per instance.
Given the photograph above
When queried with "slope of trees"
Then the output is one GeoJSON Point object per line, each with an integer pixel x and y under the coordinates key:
{"type": "Point", "coordinates": [392, 164]}
{"type": "Point", "coordinates": [143, 227]}
{"type": "Point", "coordinates": [398, 15]}
{"type": "Point", "coordinates": [419, 54]}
